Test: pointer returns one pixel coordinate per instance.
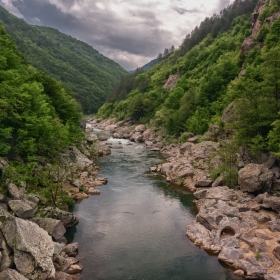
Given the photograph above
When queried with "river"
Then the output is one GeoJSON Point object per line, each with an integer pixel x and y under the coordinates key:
{"type": "Point", "coordinates": [136, 228]}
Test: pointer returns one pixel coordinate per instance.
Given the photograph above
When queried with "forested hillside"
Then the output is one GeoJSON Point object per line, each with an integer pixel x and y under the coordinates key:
{"type": "Point", "coordinates": [89, 74]}
{"type": "Point", "coordinates": [38, 115]}
{"type": "Point", "coordinates": [214, 68]}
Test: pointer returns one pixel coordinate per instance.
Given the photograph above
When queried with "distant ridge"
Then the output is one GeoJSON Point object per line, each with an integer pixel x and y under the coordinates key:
{"type": "Point", "coordinates": [89, 74]}
{"type": "Point", "coordinates": [147, 66]}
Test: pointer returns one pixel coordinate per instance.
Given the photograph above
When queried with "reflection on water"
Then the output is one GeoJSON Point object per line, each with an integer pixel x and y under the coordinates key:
{"type": "Point", "coordinates": [136, 228]}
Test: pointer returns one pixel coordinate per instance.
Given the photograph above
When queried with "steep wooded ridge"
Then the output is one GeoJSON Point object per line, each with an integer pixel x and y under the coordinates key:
{"type": "Point", "coordinates": [190, 89]}
{"type": "Point", "coordinates": [89, 74]}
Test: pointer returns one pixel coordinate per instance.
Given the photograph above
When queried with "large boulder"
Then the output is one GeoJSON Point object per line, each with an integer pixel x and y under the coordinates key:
{"type": "Point", "coordinates": [140, 128]}
{"type": "Point", "coordinates": [73, 156]}
{"type": "Point", "coordinates": [21, 209]}
{"type": "Point", "coordinates": [7, 259]}
{"type": "Point", "coordinates": [11, 274]}
{"type": "Point", "coordinates": [54, 227]}
{"type": "Point", "coordinates": [68, 219]}
{"type": "Point", "coordinates": [255, 178]}
{"type": "Point", "coordinates": [271, 202]}
{"type": "Point", "coordinates": [13, 191]}
{"type": "Point", "coordinates": [32, 246]}
{"type": "Point", "coordinates": [203, 150]}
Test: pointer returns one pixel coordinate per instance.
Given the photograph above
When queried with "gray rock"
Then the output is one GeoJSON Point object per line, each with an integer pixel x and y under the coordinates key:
{"type": "Point", "coordinates": [272, 202]}
{"type": "Point", "coordinates": [259, 245]}
{"type": "Point", "coordinates": [13, 191]}
{"type": "Point", "coordinates": [7, 259]}
{"type": "Point", "coordinates": [272, 276]}
{"type": "Point", "coordinates": [200, 194]}
{"type": "Point", "coordinates": [58, 247]}
{"type": "Point", "coordinates": [276, 252]}
{"type": "Point", "coordinates": [54, 227]}
{"type": "Point", "coordinates": [140, 128]}
{"type": "Point", "coordinates": [252, 271]}
{"type": "Point", "coordinates": [254, 178]}
{"type": "Point", "coordinates": [203, 183]}
{"type": "Point", "coordinates": [262, 218]}
{"type": "Point", "coordinates": [230, 242]}
{"type": "Point", "coordinates": [139, 139]}
{"type": "Point", "coordinates": [266, 261]}
{"type": "Point", "coordinates": [21, 209]}
{"type": "Point", "coordinates": [270, 162]}
{"type": "Point", "coordinates": [73, 156]}
{"type": "Point", "coordinates": [32, 198]}
{"type": "Point", "coordinates": [33, 248]}
{"type": "Point", "coordinates": [239, 273]}
{"type": "Point", "coordinates": [71, 250]}
{"type": "Point", "coordinates": [193, 139]}
{"type": "Point", "coordinates": [220, 181]}
{"type": "Point", "coordinates": [68, 219]}
{"type": "Point", "coordinates": [165, 168]}
{"type": "Point", "coordinates": [259, 198]}
{"type": "Point", "coordinates": [102, 138]}
{"type": "Point", "coordinates": [252, 260]}
{"type": "Point", "coordinates": [274, 226]}
{"type": "Point", "coordinates": [116, 135]}
{"type": "Point", "coordinates": [11, 274]}
{"type": "Point", "coordinates": [230, 256]}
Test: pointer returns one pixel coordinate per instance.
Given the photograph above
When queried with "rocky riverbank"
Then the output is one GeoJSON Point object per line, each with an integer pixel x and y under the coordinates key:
{"type": "Point", "coordinates": [32, 242]}
{"type": "Point", "coordinates": [241, 225]}
{"type": "Point", "coordinates": [34, 247]}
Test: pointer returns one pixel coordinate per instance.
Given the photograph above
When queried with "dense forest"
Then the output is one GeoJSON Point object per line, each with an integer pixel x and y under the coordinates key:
{"type": "Point", "coordinates": [214, 72]}
{"type": "Point", "coordinates": [89, 74]}
{"type": "Point", "coordinates": [38, 119]}
{"type": "Point", "coordinates": [38, 114]}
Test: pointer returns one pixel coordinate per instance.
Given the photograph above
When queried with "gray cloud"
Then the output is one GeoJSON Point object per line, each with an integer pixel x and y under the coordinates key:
{"type": "Point", "coordinates": [132, 32]}
{"type": "Point", "coordinates": [182, 11]}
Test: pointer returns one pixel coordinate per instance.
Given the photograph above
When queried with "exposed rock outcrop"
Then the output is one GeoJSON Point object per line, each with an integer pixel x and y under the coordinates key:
{"type": "Point", "coordinates": [231, 224]}
{"type": "Point", "coordinates": [255, 178]}
{"type": "Point", "coordinates": [54, 227]}
{"type": "Point", "coordinates": [68, 219]}
{"type": "Point", "coordinates": [171, 82]}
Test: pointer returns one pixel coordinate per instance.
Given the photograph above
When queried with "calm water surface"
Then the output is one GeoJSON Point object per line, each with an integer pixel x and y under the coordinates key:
{"type": "Point", "coordinates": [136, 228]}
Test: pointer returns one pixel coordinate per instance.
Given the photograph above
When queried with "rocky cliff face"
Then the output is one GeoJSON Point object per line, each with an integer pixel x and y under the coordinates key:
{"type": "Point", "coordinates": [251, 41]}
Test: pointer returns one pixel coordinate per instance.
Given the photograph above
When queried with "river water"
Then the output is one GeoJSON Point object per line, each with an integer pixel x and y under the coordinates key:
{"type": "Point", "coordinates": [136, 228]}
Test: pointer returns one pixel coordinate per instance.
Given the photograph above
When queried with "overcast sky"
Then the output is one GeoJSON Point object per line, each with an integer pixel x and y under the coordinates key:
{"type": "Point", "coordinates": [131, 32]}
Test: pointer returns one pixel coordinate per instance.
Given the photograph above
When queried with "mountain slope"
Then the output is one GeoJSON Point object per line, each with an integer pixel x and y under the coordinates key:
{"type": "Point", "coordinates": [189, 90]}
{"type": "Point", "coordinates": [88, 73]}
{"type": "Point", "coordinates": [38, 116]}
